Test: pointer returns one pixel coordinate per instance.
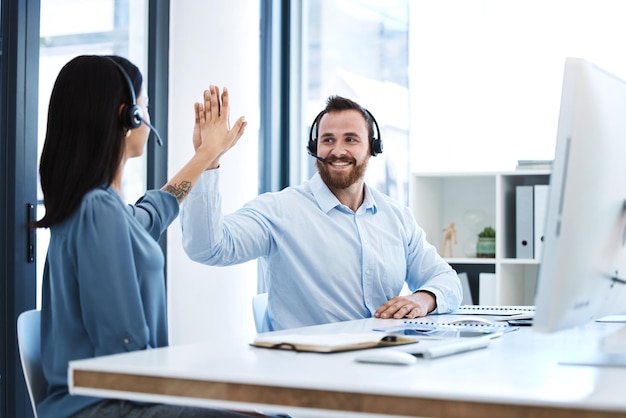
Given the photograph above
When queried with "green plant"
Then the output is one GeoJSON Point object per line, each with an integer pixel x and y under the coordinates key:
{"type": "Point", "coordinates": [488, 232]}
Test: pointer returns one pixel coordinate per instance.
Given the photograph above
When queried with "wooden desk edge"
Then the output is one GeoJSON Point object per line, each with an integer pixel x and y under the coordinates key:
{"type": "Point", "coordinates": [319, 399]}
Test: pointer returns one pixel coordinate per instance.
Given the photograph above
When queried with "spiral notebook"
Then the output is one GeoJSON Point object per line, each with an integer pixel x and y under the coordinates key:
{"type": "Point", "coordinates": [443, 329]}
{"type": "Point", "coordinates": [518, 312]}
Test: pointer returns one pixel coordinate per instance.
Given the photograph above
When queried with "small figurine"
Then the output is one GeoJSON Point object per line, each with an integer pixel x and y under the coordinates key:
{"type": "Point", "coordinates": [449, 233]}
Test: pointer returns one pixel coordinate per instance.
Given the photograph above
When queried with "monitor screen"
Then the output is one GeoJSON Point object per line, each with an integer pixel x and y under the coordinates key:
{"type": "Point", "coordinates": [582, 275]}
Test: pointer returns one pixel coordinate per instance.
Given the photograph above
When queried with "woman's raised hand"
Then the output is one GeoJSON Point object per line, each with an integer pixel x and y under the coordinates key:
{"type": "Point", "coordinates": [212, 132]}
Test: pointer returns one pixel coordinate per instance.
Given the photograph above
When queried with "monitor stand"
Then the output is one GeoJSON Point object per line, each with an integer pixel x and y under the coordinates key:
{"type": "Point", "coordinates": [613, 318]}
{"type": "Point", "coordinates": [596, 360]}
{"type": "Point", "coordinates": [611, 352]}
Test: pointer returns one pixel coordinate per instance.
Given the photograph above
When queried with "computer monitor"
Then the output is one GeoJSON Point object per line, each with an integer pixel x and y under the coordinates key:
{"type": "Point", "coordinates": [582, 275]}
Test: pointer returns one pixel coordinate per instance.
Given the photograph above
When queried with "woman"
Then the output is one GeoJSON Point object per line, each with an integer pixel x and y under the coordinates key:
{"type": "Point", "coordinates": [103, 283]}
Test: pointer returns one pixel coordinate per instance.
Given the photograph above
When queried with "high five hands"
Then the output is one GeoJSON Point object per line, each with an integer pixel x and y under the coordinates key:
{"type": "Point", "coordinates": [212, 132]}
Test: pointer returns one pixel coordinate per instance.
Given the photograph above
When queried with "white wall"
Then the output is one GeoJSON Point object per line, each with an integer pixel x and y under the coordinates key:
{"type": "Point", "coordinates": [486, 76]}
{"type": "Point", "coordinates": [213, 42]}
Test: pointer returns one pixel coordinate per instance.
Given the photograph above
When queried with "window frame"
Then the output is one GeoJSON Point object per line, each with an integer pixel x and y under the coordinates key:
{"type": "Point", "coordinates": [275, 100]}
{"type": "Point", "coordinates": [20, 67]}
{"type": "Point", "coordinates": [18, 156]}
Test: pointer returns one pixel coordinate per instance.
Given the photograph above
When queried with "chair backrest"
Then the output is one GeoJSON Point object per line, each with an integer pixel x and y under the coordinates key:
{"type": "Point", "coordinates": [259, 306]}
{"type": "Point", "coordinates": [467, 292]}
{"type": "Point", "coordinates": [29, 343]}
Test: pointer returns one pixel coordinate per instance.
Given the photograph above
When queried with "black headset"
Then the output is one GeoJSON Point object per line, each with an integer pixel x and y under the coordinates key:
{"type": "Point", "coordinates": [131, 113]}
{"type": "Point", "coordinates": [376, 143]}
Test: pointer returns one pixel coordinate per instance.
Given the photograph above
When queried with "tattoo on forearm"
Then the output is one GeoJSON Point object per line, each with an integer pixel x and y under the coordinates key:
{"type": "Point", "coordinates": [180, 190]}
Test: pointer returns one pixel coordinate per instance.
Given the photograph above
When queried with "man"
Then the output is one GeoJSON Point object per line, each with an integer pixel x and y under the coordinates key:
{"type": "Point", "coordinates": [332, 249]}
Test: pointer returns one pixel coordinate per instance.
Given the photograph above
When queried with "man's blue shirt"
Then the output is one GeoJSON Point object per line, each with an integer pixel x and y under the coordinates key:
{"type": "Point", "coordinates": [321, 261]}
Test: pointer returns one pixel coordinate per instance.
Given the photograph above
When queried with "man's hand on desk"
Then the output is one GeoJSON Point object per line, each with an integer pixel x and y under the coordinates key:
{"type": "Point", "coordinates": [418, 304]}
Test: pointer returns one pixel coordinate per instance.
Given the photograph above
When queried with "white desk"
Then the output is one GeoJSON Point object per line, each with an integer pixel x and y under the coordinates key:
{"type": "Point", "coordinates": [519, 375]}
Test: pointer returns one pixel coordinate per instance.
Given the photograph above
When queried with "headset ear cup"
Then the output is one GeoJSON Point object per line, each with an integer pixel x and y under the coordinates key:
{"type": "Point", "coordinates": [376, 146]}
{"type": "Point", "coordinates": [137, 119]}
{"type": "Point", "coordinates": [376, 143]}
{"type": "Point", "coordinates": [131, 116]}
{"type": "Point", "coordinates": [312, 146]}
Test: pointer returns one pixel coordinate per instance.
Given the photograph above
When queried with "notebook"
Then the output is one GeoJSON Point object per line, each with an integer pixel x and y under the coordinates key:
{"type": "Point", "coordinates": [441, 329]}
{"type": "Point", "coordinates": [330, 343]}
{"type": "Point", "coordinates": [515, 311]}
{"type": "Point", "coordinates": [428, 348]}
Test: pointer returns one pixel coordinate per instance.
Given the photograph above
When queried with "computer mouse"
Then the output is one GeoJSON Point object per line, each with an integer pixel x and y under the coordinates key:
{"type": "Point", "coordinates": [396, 357]}
{"type": "Point", "coordinates": [472, 320]}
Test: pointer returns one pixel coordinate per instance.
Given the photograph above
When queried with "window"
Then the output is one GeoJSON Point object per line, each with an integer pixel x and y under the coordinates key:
{"type": "Point", "coordinates": [69, 28]}
{"type": "Point", "coordinates": [456, 85]}
{"type": "Point", "coordinates": [359, 49]}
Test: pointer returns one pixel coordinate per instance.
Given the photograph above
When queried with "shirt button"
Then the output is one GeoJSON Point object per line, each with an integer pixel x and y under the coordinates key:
{"type": "Point", "coordinates": [126, 341]}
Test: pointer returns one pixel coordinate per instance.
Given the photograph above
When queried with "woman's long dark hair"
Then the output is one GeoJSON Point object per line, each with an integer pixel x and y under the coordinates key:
{"type": "Point", "coordinates": [84, 142]}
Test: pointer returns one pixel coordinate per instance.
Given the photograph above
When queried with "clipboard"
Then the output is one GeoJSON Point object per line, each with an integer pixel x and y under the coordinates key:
{"type": "Point", "coordinates": [331, 343]}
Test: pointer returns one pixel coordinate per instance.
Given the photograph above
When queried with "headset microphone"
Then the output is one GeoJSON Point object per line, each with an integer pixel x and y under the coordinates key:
{"type": "Point", "coordinates": [323, 160]}
{"type": "Point", "coordinates": [154, 131]}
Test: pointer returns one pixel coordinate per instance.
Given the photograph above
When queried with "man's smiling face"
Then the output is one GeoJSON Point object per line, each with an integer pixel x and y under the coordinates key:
{"type": "Point", "coordinates": [343, 141]}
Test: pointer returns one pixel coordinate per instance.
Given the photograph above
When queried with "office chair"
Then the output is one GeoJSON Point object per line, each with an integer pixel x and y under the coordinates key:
{"type": "Point", "coordinates": [29, 343]}
{"type": "Point", "coordinates": [259, 306]}
{"type": "Point", "coordinates": [467, 292]}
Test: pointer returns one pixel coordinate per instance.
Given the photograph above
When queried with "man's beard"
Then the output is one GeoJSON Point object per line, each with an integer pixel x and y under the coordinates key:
{"type": "Point", "coordinates": [342, 180]}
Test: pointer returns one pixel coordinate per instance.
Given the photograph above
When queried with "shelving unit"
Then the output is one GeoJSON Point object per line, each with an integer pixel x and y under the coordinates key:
{"type": "Point", "coordinates": [473, 201]}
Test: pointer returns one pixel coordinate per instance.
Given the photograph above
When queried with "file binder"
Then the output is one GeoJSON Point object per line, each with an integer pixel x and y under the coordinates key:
{"type": "Point", "coordinates": [488, 289]}
{"type": "Point", "coordinates": [524, 227]}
